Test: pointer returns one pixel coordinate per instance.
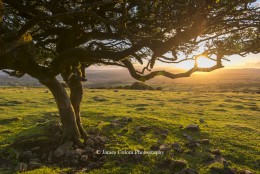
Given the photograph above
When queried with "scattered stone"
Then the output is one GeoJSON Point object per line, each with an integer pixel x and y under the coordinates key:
{"type": "Point", "coordinates": [178, 164]}
{"type": "Point", "coordinates": [44, 156]}
{"type": "Point", "coordinates": [35, 149]}
{"type": "Point", "coordinates": [188, 171]}
{"type": "Point", "coordinates": [92, 165]}
{"type": "Point", "coordinates": [114, 125]}
{"type": "Point", "coordinates": [225, 162]}
{"type": "Point", "coordinates": [89, 142]}
{"type": "Point", "coordinates": [125, 130]}
{"type": "Point", "coordinates": [164, 135]}
{"type": "Point", "coordinates": [143, 128]}
{"type": "Point", "coordinates": [189, 138]}
{"type": "Point", "coordinates": [100, 140]}
{"type": "Point", "coordinates": [137, 158]}
{"type": "Point", "coordinates": [218, 170]}
{"type": "Point", "coordinates": [165, 164]}
{"type": "Point", "coordinates": [192, 127]}
{"type": "Point", "coordinates": [155, 147]}
{"type": "Point", "coordinates": [164, 147]}
{"type": "Point", "coordinates": [84, 158]}
{"type": "Point", "coordinates": [36, 160]}
{"type": "Point", "coordinates": [34, 165]}
{"type": "Point", "coordinates": [216, 152]}
{"type": "Point", "coordinates": [41, 120]}
{"type": "Point", "coordinates": [22, 167]}
{"type": "Point", "coordinates": [245, 172]}
{"type": "Point", "coordinates": [27, 154]}
{"type": "Point", "coordinates": [6, 132]}
{"type": "Point", "coordinates": [88, 150]}
{"type": "Point", "coordinates": [116, 90]}
{"type": "Point", "coordinates": [63, 149]}
{"type": "Point", "coordinates": [16, 119]}
{"type": "Point", "coordinates": [177, 147]}
{"type": "Point", "coordinates": [184, 135]}
{"type": "Point", "coordinates": [204, 141]}
{"type": "Point", "coordinates": [79, 151]}
{"type": "Point", "coordinates": [74, 162]}
{"type": "Point", "coordinates": [129, 119]}
{"type": "Point", "coordinates": [93, 131]}
{"type": "Point", "coordinates": [56, 128]}
{"type": "Point", "coordinates": [202, 120]}
{"type": "Point", "coordinates": [192, 144]}
{"type": "Point", "coordinates": [102, 158]}
{"type": "Point", "coordinates": [50, 156]}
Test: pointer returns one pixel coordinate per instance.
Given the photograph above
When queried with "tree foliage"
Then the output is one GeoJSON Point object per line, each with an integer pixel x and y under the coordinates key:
{"type": "Point", "coordinates": [126, 32]}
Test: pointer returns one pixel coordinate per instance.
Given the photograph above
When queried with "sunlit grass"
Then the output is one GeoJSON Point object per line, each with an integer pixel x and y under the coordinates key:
{"type": "Point", "coordinates": [231, 123]}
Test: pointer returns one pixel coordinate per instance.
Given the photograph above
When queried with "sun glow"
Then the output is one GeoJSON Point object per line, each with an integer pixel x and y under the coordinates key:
{"type": "Point", "coordinates": [204, 62]}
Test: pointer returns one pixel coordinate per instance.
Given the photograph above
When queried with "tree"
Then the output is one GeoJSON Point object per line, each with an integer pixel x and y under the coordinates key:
{"type": "Point", "coordinates": [46, 38]}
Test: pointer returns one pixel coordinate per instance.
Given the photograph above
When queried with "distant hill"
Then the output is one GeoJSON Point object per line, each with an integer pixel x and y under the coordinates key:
{"type": "Point", "coordinates": [116, 77]}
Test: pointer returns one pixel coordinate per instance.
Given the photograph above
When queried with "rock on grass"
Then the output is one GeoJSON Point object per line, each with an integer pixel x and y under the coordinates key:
{"type": "Point", "coordinates": [192, 127]}
{"type": "Point", "coordinates": [63, 149]}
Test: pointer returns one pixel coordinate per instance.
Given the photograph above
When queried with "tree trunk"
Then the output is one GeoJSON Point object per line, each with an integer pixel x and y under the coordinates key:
{"type": "Point", "coordinates": [76, 93]}
{"type": "Point", "coordinates": [67, 114]}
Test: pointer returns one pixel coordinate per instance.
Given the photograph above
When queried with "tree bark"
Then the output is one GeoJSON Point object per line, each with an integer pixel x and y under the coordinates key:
{"type": "Point", "coordinates": [67, 114]}
{"type": "Point", "coordinates": [76, 93]}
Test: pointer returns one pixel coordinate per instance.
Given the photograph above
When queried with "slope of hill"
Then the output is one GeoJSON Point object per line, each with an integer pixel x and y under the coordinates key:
{"type": "Point", "coordinates": [247, 79]}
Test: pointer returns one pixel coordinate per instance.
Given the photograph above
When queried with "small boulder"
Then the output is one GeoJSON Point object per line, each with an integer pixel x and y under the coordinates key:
{"type": "Point", "coordinates": [184, 135]}
{"type": "Point", "coordinates": [143, 128]}
{"type": "Point", "coordinates": [36, 160]}
{"type": "Point", "coordinates": [27, 154]}
{"type": "Point", "coordinates": [44, 156]}
{"type": "Point", "coordinates": [189, 138]}
{"type": "Point", "coordinates": [79, 152]}
{"type": "Point", "coordinates": [216, 152]}
{"type": "Point", "coordinates": [6, 132]}
{"type": "Point", "coordinates": [63, 149]}
{"type": "Point", "coordinates": [74, 162]}
{"type": "Point", "coordinates": [245, 172]}
{"type": "Point", "coordinates": [202, 120]}
{"type": "Point", "coordinates": [204, 141]}
{"type": "Point", "coordinates": [22, 167]}
{"type": "Point", "coordinates": [35, 149]}
{"type": "Point", "coordinates": [50, 156]}
{"type": "Point", "coordinates": [99, 140]}
{"type": "Point", "coordinates": [129, 119]}
{"type": "Point", "coordinates": [92, 165]}
{"type": "Point", "coordinates": [192, 127]}
{"type": "Point", "coordinates": [88, 150]}
{"type": "Point", "coordinates": [84, 158]}
{"type": "Point", "coordinates": [178, 165]}
{"type": "Point", "coordinates": [164, 147]}
{"type": "Point", "coordinates": [188, 171]}
{"type": "Point", "coordinates": [177, 147]}
{"type": "Point", "coordinates": [89, 142]}
{"type": "Point", "coordinates": [155, 147]}
{"type": "Point", "coordinates": [164, 135]}
{"type": "Point", "coordinates": [192, 144]}
{"type": "Point", "coordinates": [34, 165]}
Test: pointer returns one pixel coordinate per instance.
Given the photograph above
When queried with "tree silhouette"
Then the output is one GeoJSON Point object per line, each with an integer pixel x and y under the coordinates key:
{"type": "Point", "coordinates": [46, 38]}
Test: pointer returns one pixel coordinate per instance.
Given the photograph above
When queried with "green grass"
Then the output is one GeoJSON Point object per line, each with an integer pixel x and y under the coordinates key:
{"type": "Point", "coordinates": [231, 123]}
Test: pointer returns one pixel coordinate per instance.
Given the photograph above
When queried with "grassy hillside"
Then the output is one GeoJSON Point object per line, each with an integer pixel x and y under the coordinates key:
{"type": "Point", "coordinates": [229, 120]}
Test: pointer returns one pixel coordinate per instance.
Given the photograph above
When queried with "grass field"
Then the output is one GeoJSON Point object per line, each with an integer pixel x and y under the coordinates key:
{"type": "Point", "coordinates": [231, 123]}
